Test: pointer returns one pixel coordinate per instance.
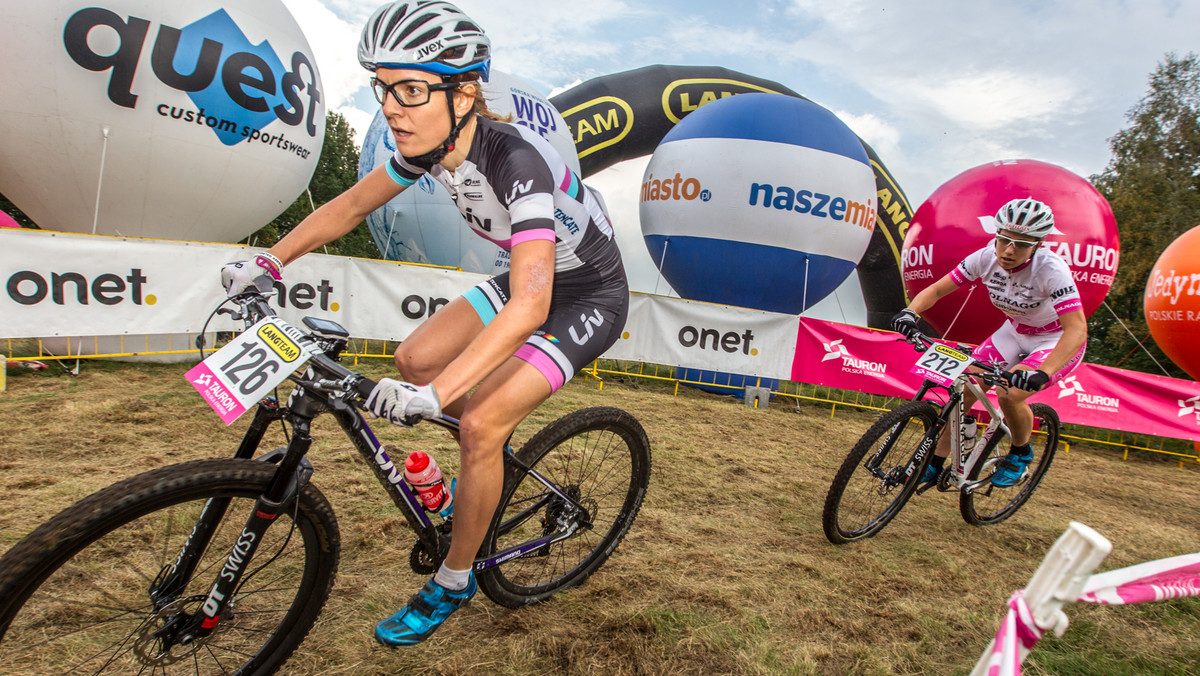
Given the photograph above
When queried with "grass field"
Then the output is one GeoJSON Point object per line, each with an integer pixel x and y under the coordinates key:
{"type": "Point", "coordinates": [726, 570]}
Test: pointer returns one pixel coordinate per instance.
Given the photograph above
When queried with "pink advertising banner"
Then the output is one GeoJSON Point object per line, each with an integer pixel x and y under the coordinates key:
{"type": "Point", "coordinates": [879, 362]}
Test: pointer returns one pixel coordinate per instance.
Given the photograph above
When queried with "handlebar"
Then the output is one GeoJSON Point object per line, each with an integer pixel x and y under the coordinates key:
{"type": "Point", "coordinates": [991, 371]}
{"type": "Point", "coordinates": [255, 307]}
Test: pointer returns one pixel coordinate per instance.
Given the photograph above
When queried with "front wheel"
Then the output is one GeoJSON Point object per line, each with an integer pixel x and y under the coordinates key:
{"type": "Point", "coordinates": [880, 473]}
{"type": "Point", "coordinates": [988, 503]}
{"type": "Point", "coordinates": [600, 459]}
{"type": "Point", "coordinates": [76, 595]}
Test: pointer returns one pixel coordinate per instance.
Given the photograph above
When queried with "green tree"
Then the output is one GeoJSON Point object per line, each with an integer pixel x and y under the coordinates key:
{"type": "Point", "coordinates": [1153, 185]}
{"type": "Point", "coordinates": [337, 170]}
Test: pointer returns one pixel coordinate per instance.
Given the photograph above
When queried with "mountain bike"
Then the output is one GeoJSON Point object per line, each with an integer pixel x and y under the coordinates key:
{"type": "Point", "coordinates": [223, 565]}
{"type": "Point", "coordinates": [884, 468]}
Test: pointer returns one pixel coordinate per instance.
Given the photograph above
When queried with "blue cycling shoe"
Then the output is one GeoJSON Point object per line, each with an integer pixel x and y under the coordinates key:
{"type": "Point", "coordinates": [425, 612]}
{"type": "Point", "coordinates": [1012, 467]}
{"type": "Point", "coordinates": [931, 474]}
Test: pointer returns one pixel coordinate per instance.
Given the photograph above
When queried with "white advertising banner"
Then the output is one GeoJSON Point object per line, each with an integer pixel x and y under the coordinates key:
{"type": "Point", "coordinates": [58, 284]}
{"type": "Point", "coordinates": [679, 332]}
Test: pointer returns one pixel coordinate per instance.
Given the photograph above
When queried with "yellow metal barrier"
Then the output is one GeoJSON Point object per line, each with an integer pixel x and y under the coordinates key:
{"type": "Point", "coordinates": [362, 349]}
{"type": "Point", "coordinates": [835, 397]}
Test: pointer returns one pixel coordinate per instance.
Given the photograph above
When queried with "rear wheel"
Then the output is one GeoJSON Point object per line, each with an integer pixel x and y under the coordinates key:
{"type": "Point", "coordinates": [872, 485]}
{"type": "Point", "coordinates": [76, 594]}
{"type": "Point", "coordinates": [600, 459]}
{"type": "Point", "coordinates": [988, 503]}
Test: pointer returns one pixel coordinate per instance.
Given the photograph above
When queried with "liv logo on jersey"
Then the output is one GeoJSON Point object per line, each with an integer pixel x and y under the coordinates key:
{"type": "Point", "coordinates": [237, 88]}
{"type": "Point", "coordinates": [589, 324]}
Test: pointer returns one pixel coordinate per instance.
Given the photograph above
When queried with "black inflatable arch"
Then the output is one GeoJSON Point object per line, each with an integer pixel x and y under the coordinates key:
{"type": "Point", "coordinates": [625, 115]}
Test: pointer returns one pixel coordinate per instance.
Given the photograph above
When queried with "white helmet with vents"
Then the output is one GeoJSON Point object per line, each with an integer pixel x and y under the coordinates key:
{"type": "Point", "coordinates": [429, 35]}
{"type": "Point", "coordinates": [1026, 216]}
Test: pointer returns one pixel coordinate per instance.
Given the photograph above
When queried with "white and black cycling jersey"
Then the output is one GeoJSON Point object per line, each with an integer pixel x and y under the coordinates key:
{"type": "Point", "coordinates": [515, 187]}
{"type": "Point", "coordinates": [1033, 296]}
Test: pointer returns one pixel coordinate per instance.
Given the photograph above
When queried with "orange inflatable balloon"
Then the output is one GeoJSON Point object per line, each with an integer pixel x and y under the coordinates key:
{"type": "Point", "coordinates": [1173, 301]}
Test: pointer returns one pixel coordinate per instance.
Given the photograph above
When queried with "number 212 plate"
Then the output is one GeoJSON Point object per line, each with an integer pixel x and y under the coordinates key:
{"type": "Point", "coordinates": [941, 364]}
{"type": "Point", "coordinates": [236, 376]}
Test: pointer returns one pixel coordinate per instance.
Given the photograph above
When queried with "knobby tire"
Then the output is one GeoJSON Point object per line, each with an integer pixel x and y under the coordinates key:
{"type": "Point", "coordinates": [870, 488]}
{"type": "Point", "coordinates": [74, 593]}
{"type": "Point", "coordinates": [599, 457]}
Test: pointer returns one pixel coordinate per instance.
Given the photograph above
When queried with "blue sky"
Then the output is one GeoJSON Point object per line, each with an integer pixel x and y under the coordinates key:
{"type": "Point", "coordinates": [935, 86]}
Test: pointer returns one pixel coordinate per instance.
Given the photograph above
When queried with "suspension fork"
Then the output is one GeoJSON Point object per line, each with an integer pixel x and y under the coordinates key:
{"type": "Point", "coordinates": [280, 495]}
{"type": "Point", "coordinates": [172, 580]}
{"type": "Point", "coordinates": [929, 441]}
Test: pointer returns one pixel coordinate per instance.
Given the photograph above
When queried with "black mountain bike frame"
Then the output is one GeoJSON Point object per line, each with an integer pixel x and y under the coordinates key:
{"type": "Point", "coordinates": [325, 386]}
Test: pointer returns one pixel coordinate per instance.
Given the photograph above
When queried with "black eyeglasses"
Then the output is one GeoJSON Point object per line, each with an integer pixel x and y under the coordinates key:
{"type": "Point", "coordinates": [408, 93]}
{"type": "Point", "coordinates": [1018, 244]}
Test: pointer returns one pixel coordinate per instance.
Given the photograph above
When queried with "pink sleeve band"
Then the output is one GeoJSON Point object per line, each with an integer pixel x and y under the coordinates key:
{"type": "Point", "coordinates": [1068, 305]}
{"type": "Point", "coordinates": [528, 235]}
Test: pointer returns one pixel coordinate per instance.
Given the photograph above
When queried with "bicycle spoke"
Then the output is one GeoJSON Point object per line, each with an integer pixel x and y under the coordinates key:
{"type": "Point", "coordinates": [89, 609]}
{"type": "Point", "coordinates": [866, 494]}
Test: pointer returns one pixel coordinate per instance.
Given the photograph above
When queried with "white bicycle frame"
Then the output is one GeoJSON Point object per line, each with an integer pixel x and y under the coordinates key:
{"type": "Point", "coordinates": [960, 470]}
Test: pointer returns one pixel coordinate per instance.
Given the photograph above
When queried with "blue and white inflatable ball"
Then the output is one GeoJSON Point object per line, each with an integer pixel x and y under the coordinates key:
{"type": "Point", "coordinates": [763, 201]}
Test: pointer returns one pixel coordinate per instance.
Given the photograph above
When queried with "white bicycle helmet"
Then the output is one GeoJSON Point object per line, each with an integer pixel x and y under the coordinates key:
{"type": "Point", "coordinates": [429, 35]}
{"type": "Point", "coordinates": [1026, 216]}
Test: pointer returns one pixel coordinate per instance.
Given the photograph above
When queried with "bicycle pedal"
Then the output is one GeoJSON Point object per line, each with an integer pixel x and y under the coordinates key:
{"type": "Point", "coordinates": [943, 480]}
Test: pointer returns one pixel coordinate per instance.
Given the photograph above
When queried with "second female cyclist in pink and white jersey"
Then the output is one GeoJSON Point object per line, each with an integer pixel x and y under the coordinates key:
{"type": "Point", "coordinates": [1045, 335]}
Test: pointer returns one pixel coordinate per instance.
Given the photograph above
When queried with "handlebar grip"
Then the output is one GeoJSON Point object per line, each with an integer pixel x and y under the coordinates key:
{"type": "Point", "coordinates": [364, 387]}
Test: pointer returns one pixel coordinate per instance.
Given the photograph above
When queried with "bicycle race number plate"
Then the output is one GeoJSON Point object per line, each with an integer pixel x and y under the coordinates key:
{"type": "Point", "coordinates": [237, 376]}
{"type": "Point", "coordinates": [941, 364]}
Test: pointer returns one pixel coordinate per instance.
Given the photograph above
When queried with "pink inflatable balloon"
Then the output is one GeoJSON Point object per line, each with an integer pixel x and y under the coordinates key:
{"type": "Point", "coordinates": [958, 218]}
{"type": "Point", "coordinates": [7, 221]}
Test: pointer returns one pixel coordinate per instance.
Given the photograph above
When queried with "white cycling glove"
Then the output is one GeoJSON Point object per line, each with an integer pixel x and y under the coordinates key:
{"type": "Point", "coordinates": [260, 274]}
{"type": "Point", "coordinates": [403, 403]}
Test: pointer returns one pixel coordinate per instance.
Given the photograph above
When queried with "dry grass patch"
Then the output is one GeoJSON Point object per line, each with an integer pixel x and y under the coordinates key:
{"type": "Point", "coordinates": [726, 570]}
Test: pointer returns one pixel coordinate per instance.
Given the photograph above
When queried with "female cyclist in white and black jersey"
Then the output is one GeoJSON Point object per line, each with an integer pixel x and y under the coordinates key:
{"type": "Point", "coordinates": [1045, 335]}
{"type": "Point", "coordinates": [514, 339]}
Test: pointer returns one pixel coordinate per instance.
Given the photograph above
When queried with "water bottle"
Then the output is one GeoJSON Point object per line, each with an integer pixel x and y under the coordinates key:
{"type": "Point", "coordinates": [423, 474]}
{"type": "Point", "coordinates": [969, 432]}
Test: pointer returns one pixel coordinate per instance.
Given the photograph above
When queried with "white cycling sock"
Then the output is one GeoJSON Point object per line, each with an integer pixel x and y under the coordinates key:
{"type": "Point", "coordinates": [451, 579]}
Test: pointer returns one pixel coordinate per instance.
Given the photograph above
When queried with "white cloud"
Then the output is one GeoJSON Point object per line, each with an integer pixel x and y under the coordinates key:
{"type": "Point", "coordinates": [936, 86]}
{"type": "Point", "coordinates": [877, 133]}
{"type": "Point", "coordinates": [995, 99]}
{"type": "Point", "coordinates": [334, 42]}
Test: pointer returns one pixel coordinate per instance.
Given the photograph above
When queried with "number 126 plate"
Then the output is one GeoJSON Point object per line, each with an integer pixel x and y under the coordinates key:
{"type": "Point", "coordinates": [236, 376]}
{"type": "Point", "coordinates": [941, 364]}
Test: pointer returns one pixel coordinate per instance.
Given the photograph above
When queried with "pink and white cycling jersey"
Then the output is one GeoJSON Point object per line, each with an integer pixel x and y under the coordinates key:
{"type": "Point", "coordinates": [1033, 296]}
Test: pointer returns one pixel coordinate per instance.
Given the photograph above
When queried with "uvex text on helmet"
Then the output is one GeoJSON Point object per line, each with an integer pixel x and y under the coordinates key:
{"type": "Point", "coordinates": [429, 35]}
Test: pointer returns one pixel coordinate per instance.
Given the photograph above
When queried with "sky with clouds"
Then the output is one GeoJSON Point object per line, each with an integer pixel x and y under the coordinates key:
{"type": "Point", "coordinates": [935, 86]}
